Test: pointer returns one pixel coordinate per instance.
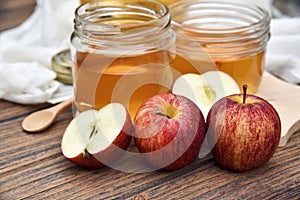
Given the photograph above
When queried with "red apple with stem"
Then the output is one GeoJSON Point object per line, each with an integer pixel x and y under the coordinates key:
{"type": "Point", "coordinates": [244, 131]}
{"type": "Point", "coordinates": [169, 130]}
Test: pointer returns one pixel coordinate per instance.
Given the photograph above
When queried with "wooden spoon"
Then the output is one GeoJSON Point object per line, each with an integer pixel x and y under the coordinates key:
{"type": "Point", "coordinates": [40, 120]}
{"type": "Point", "coordinates": [285, 98]}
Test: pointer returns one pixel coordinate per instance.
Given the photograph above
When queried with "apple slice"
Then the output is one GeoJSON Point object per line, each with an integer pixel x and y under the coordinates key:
{"type": "Point", "coordinates": [98, 138]}
{"type": "Point", "coordinates": [204, 90]}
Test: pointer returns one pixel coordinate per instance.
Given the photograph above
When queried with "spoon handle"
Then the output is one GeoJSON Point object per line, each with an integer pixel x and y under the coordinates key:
{"type": "Point", "coordinates": [61, 106]}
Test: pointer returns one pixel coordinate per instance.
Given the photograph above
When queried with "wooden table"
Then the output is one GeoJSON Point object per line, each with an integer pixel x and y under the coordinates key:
{"type": "Point", "coordinates": [32, 165]}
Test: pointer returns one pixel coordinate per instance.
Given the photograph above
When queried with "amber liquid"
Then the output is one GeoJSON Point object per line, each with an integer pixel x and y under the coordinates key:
{"type": "Point", "coordinates": [241, 59]}
{"type": "Point", "coordinates": [245, 70]}
{"type": "Point", "coordinates": [129, 80]}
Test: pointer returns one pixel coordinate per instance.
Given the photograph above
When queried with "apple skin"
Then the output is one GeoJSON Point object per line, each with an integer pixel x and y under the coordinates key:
{"type": "Point", "coordinates": [87, 162]}
{"type": "Point", "coordinates": [115, 151]}
{"type": "Point", "coordinates": [169, 142]}
{"type": "Point", "coordinates": [109, 155]}
{"type": "Point", "coordinates": [244, 135]}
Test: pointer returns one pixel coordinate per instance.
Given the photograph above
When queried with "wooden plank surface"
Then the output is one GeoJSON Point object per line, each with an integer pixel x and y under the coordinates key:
{"type": "Point", "coordinates": [14, 12]}
{"type": "Point", "coordinates": [32, 166]}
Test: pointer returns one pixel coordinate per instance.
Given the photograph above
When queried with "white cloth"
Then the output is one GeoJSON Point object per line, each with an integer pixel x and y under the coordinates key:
{"type": "Point", "coordinates": [26, 51]}
{"type": "Point", "coordinates": [283, 52]}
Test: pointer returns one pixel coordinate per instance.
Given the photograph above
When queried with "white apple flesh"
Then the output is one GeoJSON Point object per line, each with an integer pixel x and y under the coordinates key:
{"type": "Point", "coordinates": [98, 138]}
{"type": "Point", "coordinates": [244, 131]}
{"type": "Point", "coordinates": [169, 130]}
{"type": "Point", "coordinates": [204, 90]}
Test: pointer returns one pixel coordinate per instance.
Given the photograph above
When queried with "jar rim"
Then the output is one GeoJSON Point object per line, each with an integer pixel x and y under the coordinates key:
{"type": "Point", "coordinates": [221, 27]}
{"type": "Point", "coordinates": [91, 14]}
{"type": "Point", "coordinates": [262, 15]}
{"type": "Point", "coordinates": [123, 25]}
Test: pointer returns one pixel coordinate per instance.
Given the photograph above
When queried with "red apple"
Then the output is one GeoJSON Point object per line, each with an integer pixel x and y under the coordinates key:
{"type": "Point", "coordinates": [98, 138]}
{"type": "Point", "coordinates": [169, 130]}
{"type": "Point", "coordinates": [245, 131]}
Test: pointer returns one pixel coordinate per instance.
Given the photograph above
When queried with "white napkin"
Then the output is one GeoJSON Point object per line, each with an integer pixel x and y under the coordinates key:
{"type": "Point", "coordinates": [283, 52]}
{"type": "Point", "coordinates": [26, 52]}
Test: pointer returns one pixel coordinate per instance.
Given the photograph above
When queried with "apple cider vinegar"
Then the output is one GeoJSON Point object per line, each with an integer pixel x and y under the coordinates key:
{"type": "Point", "coordinates": [247, 70]}
{"type": "Point", "coordinates": [121, 52]}
{"type": "Point", "coordinates": [223, 35]}
{"type": "Point", "coordinates": [127, 80]}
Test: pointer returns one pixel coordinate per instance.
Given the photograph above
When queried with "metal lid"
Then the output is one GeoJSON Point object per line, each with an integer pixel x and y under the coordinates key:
{"type": "Point", "coordinates": [61, 64]}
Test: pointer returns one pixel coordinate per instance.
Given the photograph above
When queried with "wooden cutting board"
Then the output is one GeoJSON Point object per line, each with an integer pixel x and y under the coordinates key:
{"type": "Point", "coordinates": [285, 98]}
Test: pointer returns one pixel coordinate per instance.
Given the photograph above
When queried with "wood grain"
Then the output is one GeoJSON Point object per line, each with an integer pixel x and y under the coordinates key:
{"type": "Point", "coordinates": [14, 12]}
{"type": "Point", "coordinates": [32, 166]}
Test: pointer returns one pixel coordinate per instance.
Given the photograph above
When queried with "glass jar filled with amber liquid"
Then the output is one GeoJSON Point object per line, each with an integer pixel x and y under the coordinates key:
{"type": "Point", "coordinates": [226, 35]}
{"type": "Point", "coordinates": [121, 52]}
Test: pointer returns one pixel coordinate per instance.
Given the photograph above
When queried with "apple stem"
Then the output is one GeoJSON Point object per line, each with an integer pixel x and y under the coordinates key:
{"type": "Point", "coordinates": [162, 114]}
{"type": "Point", "coordinates": [244, 93]}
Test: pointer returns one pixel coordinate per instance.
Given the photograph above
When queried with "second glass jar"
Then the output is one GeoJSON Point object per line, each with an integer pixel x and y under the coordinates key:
{"type": "Point", "coordinates": [226, 35]}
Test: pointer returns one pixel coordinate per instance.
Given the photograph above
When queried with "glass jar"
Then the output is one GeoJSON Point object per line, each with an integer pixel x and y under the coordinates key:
{"type": "Point", "coordinates": [121, 51]}
{"type": "Point", "coordinates": [226, 35]}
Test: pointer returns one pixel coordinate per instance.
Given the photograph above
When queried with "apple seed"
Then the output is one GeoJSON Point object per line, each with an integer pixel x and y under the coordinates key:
{"type": "Point", "coordinates": [94, 132]}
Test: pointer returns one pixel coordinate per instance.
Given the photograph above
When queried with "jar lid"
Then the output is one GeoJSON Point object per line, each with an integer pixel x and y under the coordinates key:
{"type": "Point", "coordinates": [61, 64]}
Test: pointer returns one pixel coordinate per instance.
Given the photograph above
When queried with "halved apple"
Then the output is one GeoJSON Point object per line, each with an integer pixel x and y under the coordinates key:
{"type": "Point", "coordinates": [98, 138]}
{"type": "Point", "coordinates": [206, 89]}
